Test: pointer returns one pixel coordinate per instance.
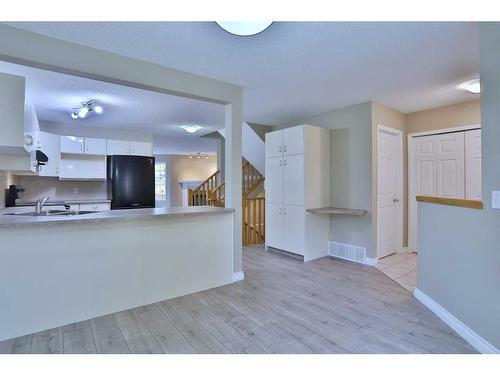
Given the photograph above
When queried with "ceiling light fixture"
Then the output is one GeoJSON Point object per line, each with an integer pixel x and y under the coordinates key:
{"type": "Point", "coordinates": [244, 28]}
{"type": "Point", "coordinates": [199, 155]}
{"type": "Point", "coordinates": [191, 129]}
{"type": "Point", "coordinates": [473, 86]}
{"type": "Point", "coordinates": [85, 108]}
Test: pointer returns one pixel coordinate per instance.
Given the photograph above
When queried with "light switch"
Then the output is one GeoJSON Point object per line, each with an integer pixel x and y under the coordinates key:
{"type": "Point", "coordinates": [495, 199]}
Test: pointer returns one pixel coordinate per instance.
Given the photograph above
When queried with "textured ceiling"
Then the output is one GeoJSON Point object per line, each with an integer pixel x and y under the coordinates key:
{"type": "Point", "coordinates": [54, 95]}
{"type": "Point", "coordinates": [297, 69]}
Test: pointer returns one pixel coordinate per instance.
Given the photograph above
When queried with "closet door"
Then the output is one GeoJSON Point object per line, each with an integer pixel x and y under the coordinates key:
{"type": "Point", "coordinates": [273, 183]}
{"type": "Point", "coordinates": [274, 225]}
{"type": "Point", "coordinates": [450, 156]}
{"type": "Point", "coordinates": [293, 179]}
{"type": "Point", "coordinates": [423, 180]}
{"type": "Point", "coordinates": [473, 164]}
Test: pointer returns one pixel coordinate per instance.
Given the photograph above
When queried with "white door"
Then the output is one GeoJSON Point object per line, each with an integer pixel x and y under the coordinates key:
{"type": "Point", "coordinates": [141, 148]}
{"type": "Point", "coordinates": [389, 220]}
{"type": "Point", "coordinates": [473, 164]}
{"type": "Point", "coordinates": [72, 145]}
{"type": "Point", "coordinates": [116, 147]}
{"type": "Point", "coordinates": [423, 172]}
{"type": "Point", "coordinates": [293, 140]}
{"type": "Point", "coordinates": [293, 229]}
{"type": "Point", "coordinates": [273, 183]}
{"type": "Point", "coordinates": [95, 146]}
{"type": "Point", "coordinates": [274, 225]}
{"type": "Point", "coordinates": [450, 154]}
{"type": "Point", "coordinates": [293, 179]}
{"type": "Point", "coordinates": [49, 145]}
{"type": "Point", "coordinates": [274, 144]}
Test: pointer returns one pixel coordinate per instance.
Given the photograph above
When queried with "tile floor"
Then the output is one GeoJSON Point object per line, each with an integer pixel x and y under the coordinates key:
{"type": "Point", "coordinates": [401, 268]}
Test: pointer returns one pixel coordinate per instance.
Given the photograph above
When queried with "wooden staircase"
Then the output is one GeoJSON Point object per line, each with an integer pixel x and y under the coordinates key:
{"type": "Point", "coordinates": [211, 192]}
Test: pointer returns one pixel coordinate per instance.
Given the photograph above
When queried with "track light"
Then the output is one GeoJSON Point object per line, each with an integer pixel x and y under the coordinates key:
{"type": "Point", "coordinates": [85, 108]}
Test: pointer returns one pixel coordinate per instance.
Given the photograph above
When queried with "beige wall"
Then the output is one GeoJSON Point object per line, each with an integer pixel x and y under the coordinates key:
{"type": "Point", "coordinates": [450, 116]}
{"type": "Point", "coordinates": [184, 169]}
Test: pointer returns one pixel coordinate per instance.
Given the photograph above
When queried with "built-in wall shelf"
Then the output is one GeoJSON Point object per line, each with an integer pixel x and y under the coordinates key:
{"type": "Point", "coordinates": [337, 211]}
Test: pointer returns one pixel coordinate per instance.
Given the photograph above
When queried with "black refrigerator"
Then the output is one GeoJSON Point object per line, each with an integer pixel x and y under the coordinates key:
{"type": "Point", "coordinates": [131, 181]}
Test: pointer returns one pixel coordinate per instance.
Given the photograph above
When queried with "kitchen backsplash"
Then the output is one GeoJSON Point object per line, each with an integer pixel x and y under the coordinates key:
{"type": "Point", "coordinates": [36, 187]}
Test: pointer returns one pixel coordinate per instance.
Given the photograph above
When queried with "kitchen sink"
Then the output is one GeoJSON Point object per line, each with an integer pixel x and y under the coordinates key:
{"type": "Point", "coordinates": [53, 213]}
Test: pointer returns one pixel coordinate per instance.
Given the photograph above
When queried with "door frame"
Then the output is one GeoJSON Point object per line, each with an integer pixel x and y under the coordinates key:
{"type": "Point", "coordinates": [411, 137]}
{"type": "Point", "coordinates": [399, 179]}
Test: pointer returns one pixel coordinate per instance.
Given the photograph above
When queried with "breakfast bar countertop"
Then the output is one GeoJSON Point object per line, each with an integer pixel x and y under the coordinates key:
{"type": "Point", "coordinates": [7, 220]}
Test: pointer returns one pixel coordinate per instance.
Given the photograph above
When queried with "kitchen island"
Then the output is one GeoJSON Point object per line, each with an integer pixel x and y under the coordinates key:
{"type": "Point", "coordinates": [61, 269]}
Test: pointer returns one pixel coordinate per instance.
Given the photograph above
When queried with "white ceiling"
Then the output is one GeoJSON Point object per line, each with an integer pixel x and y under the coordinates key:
{"type": "Point", "coordinates": [55, 94]}
{"type": "Point", "coordinates": [297, 69]}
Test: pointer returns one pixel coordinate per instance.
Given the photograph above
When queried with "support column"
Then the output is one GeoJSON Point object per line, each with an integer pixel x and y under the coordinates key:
{"type": "Point", "coordinates": [233, 177]}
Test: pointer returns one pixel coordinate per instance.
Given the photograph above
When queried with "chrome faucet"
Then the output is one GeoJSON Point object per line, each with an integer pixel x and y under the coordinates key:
{"type": "Point", "coordinates": [39, 205]}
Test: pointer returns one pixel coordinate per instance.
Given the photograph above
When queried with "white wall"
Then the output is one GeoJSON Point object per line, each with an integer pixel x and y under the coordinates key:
{"type": "Point", "coordinates": [12, 89]}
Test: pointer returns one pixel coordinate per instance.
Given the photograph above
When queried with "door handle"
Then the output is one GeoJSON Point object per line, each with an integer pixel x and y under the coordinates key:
{"type": "Point", "coordinates": [395, 200]}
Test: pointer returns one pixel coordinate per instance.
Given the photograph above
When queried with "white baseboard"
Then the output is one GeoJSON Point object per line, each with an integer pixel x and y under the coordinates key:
{"type": "Point", "coordinates": [238, 276]}
{"type": "Point", "coordinates": [468, 334]}
{"type": "Point", "coordinates": [371, 261]}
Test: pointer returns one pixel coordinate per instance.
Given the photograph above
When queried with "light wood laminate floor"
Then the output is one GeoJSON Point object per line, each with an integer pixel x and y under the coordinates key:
{"type": "Point", "coordinates": [282, 306]}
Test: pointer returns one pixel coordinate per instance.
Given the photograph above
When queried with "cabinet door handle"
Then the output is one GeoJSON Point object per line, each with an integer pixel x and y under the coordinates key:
{"type": "Point", "coordinates": [284, 211]}
{"type": "Point", "coordinates": [281, 149]}
{"type": "Point", "coordinates": [284, 162]}
{"type": "Point", "coordinates": [281, 162]}
{"type": "Point", "coordinates": [284, 148]}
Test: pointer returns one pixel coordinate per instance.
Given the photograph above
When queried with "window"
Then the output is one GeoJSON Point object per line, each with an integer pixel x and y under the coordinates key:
{"type": "Point", "coordinates": [161, 181]}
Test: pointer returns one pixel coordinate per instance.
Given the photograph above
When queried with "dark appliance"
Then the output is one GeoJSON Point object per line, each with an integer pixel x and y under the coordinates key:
{"type": "Point", "coordinates": [131, 181]}
{"type": "Point", "coordinates": [13, 195]}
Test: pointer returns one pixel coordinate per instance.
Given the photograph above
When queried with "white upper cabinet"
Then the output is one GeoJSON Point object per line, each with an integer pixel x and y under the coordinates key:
{"type": "Point", "coordinates": [95, 146]}
{"type": "Point", "coordinates": [79, 145]}
{"type": "Point", "coordinates": [49, 145]}
{"type": "Point", "coordinates": [12, 109]}
{"type": "Point", "coordinates": [141, 148]}
{"type": "Point", "coordinates": [274, 144]}
{"type": "Point", "coordinates": [117, 147]}
{"type": "Point", "coordinates": [293, 140]}
{"type": "Point", "coordinates": [72, 145]}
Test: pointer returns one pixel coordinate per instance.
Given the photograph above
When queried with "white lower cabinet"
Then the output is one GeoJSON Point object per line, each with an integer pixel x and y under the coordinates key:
{"type": "Point", "coordinates": [285, 227]}
{"type": "Point", "coordinates": [274, 225]}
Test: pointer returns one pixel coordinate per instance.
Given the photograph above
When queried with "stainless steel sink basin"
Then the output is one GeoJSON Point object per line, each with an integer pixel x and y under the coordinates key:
{"type": "Point", "coordinates": [53, 213]}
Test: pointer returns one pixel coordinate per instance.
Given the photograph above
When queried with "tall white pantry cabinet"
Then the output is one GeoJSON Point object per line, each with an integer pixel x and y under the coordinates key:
{"type": "Point", "coordinates": [297, 179]}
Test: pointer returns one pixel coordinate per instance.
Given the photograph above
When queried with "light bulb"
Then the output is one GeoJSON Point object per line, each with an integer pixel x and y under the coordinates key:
{"type": "Point", "coordinates": [83, 112]}
{"type": "Point", "coordinates": [98, 109]}
{"type": "Point", "coordinates": [74, 115]}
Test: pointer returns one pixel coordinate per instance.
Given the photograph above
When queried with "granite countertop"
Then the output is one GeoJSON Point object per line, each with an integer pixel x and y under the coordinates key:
{"type": "Point", "coordinates": [17, 220]}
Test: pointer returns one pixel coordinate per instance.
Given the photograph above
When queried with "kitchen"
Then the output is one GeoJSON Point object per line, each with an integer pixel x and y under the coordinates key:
{"type": "Point", "coordinates": [80, 201]}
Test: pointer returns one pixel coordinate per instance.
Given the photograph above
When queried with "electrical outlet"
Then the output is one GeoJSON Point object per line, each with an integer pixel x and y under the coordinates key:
{"type": "Point", "coordinates": [75, 190]}
{"type": "Point", "coordinates": [495, 199]}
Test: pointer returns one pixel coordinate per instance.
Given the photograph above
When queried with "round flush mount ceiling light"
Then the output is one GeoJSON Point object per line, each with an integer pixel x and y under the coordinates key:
{"type": "Point", "coordinates": [473, 86]}
{"type": "Point", "coordinates": [244, 28]}
{"type": "Point", "coordinates": [191, 129]}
